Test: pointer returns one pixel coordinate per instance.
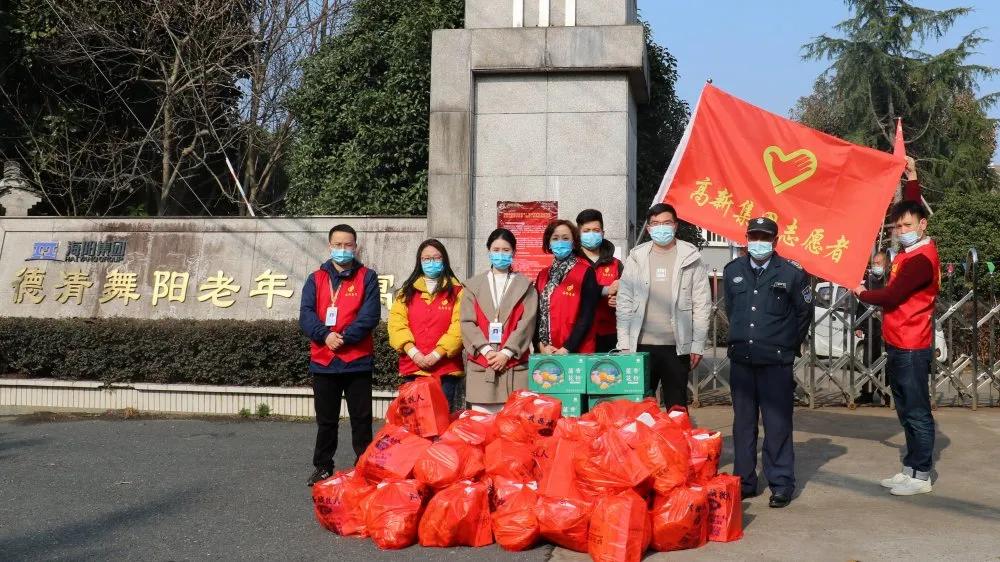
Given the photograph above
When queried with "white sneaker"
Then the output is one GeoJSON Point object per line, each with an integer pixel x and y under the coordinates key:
{"type": "Point", "coordinates": [911, 487]}
{"type": "Point", "coordinates": [896, 480]}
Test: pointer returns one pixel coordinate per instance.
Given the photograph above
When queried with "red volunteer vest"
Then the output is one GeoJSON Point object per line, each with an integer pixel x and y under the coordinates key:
{"type": "Point", "coordinates": [605, 322]}
{"type": "Point", "coordinates": [908, 326]}
{"type": "Point", "coordinates": [508, 328]}
{"type": "Point", "coordinates": [564, 306]}
{"type": "Point", "coordinates": [428, 322]}
{"type": "Point", "coordinates": [349, 299]}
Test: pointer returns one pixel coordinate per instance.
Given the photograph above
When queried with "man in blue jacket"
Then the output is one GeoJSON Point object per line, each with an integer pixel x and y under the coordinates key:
{"type": "Point", "coordinates": [769, 305]}
{"type": "Point", "coordinates": [340, 308]}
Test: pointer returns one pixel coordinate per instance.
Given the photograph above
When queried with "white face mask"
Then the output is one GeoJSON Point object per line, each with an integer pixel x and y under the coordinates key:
{"type": "Point", "coordinates": [910, 238]}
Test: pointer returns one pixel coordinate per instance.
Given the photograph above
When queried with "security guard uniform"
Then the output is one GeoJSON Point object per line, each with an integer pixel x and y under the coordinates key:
{"type": "Point", "coordinates": [769, 308]}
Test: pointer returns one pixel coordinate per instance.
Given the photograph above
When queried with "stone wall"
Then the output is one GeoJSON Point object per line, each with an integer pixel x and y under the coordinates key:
{"type": "Point", "coordinates": [554, 137]}
{"type": "Point", "coordinates": [47, 263]}
{"type": "Point", "coordinates": [533, 112]}
{"type": "Point", "coordinates": [501, 13]}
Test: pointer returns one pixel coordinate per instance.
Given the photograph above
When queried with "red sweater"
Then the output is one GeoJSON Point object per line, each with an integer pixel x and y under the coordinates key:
{"type": "Point", "coordinates": [908, 300]}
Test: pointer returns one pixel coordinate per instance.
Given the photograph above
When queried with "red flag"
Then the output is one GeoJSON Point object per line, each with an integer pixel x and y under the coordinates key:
{"type": "Point", "coordinates": [828, 196]}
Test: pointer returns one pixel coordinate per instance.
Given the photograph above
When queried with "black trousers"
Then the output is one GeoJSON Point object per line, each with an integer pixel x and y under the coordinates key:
{"type": "Point", "coordinates": [763, 391]}
{"type": "Point", "coordinates": [328, 390]}
{"type": "Point", "coordinates": [669, 370]}
{"type": "Point", "coordinates": [606, 343]}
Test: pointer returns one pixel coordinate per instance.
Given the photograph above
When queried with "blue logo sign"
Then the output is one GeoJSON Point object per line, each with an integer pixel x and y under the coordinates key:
{"type": "Point", "coordinates": [45, 251]}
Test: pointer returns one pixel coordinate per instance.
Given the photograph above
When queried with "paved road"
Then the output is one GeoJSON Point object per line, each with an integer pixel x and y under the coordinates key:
{"type": "Point", "coordinates": [168, 489]}
{"type": "Point", "coordinates": [173, 490]}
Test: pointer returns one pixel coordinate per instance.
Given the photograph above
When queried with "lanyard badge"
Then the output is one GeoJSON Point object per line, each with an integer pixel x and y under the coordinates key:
{"type": "Point", "coordinates": [331, 311]}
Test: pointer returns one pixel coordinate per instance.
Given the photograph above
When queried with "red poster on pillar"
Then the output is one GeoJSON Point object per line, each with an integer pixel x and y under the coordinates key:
{"type": "Point", "coordinates": [527, 220]}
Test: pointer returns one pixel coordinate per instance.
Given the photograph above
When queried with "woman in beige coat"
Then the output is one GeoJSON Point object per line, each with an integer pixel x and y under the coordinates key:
{"type": "Point", "coordinates": [498, 312]}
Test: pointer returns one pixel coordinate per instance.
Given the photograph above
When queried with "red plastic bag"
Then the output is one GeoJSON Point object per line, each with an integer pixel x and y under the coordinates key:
{"type": "Point", "coordinates": [608, 466]}
{"type": "Point", "coordinates": [619, 528]}
{"type": "Point", "coordinates": [459, 515]}
{"type": "Point", "coordinates": [564, 521]}
{"type": "Point", "coordinates": [631, 430]}
{"type": "Point", "coordinates": [444, 463]}
{"type": "Point", "coordinates": [421, 407]}
{"type": "Point", "coordinates": [725, 510]}
{"type": "Point", "coordinates": [555, 458]}
{"type": "Point", "coordinates": [678, 415]}
{"type": "Point", "coordinates": [391, 454]}
{"type": "Point", "coordinates": [577, 429]}
{"type": "Point", "coordinates": [680, 519]}
{"type": "Point", "coordinates": [510, 459]}
{"type": "Point", "coordinates": [706, 447]}
{"type": "Point", "coordinates": [392, 513]}
{"type": "Point", "coordinates": [616, 413]}
{"type": "Point", "coordinates": [664, 450]}
{"type": "Point", "coordinates": [337, 503]}
{"type": "Point", "coordinates": [515, 523]}
{"type": "Point", "coordinates": [474, 428]}
{"type": "Point", "coordinates": [527, 416]}
{"type": "Point", "coordinates": [502, 488]}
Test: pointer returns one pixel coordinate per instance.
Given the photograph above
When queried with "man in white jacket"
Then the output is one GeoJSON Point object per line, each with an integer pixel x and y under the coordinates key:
{"type": "Point", "coordinates": [663, 306]}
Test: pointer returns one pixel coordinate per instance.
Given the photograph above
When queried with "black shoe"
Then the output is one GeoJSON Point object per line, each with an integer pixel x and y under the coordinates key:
{"type": "Point", "coordinates": [747, 494]}
{"type": "Point", "coordinates": [320, 474]}
{"type": "Point", "coordinates": [779, 500]}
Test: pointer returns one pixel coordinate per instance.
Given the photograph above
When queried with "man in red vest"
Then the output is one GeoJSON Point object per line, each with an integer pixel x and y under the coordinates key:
{"type": "Point", "coordinates": [608, 269]}
{"type": "Point", "coordinates": [907, 303]}
{"type": "Point", "coordinates": [340, 308]}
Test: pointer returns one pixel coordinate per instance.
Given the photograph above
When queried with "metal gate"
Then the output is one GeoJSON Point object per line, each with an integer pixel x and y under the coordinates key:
{"type": "Point", "coordinates": [839, 360]}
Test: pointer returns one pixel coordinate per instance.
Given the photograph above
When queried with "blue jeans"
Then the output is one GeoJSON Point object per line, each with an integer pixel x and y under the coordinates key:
{"type": "Point", "coordinates": [449, 384]}
{"type": "Point", "coordinates": [909, 371]}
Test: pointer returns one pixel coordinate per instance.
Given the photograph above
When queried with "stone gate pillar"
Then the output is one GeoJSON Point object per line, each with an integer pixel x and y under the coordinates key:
{"type": "Point", "coordinates": [534, 100]}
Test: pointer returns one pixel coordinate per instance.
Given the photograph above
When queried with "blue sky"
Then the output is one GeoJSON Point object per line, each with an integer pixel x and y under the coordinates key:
{"type": "Point", "coordinates": [752, 49]}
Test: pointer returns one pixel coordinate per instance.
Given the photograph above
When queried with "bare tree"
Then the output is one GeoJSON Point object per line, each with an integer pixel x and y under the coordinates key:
{"type": "Point", "coordinates": [287, 32]}
{"type": "Point", "coordinates": [201, 86]}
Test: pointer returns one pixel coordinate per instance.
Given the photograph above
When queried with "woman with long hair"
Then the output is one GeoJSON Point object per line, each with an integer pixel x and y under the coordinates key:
{"type": "Point", "coordinates": [498, 322]}
{"type": "Point", "coordinates": [424, 321]}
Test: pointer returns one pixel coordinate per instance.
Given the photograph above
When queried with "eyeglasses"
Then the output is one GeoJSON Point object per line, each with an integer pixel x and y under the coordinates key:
{"type": "Point", "coordinates": [663, 223]}
{"type": "Point", "coordinates": [432, 260]}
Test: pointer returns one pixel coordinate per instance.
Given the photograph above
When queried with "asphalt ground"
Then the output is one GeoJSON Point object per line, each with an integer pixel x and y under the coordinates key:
{"type": "Point", "coordinates": [209, 489]}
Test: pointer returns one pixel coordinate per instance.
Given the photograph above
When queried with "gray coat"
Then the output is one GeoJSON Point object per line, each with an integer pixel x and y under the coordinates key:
{"type": "Point", "coordinates": [692, 306]}
{"type": "Point", "coordinates": [483, 385]}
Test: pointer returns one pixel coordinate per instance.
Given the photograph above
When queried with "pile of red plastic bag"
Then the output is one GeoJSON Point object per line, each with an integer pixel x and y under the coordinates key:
{"type": "Point", "coordinates": [615, 482]}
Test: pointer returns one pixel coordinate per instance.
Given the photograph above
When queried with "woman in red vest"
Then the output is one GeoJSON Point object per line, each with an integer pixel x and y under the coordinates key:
{"type": "Point", "coordinates": [568, 294]}
{"type": "Point", "coordinates": [423, 323]}
{"type": "Point", "coordinates": [498, 314]}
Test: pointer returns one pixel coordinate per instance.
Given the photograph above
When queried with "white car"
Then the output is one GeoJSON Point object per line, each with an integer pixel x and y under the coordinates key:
{"type": "Point", "coordinates": [831, 330]}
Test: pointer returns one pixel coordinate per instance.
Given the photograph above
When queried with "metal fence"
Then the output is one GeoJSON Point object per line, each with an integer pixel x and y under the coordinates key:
{"type": "Point", "coordinates": [840, 360]}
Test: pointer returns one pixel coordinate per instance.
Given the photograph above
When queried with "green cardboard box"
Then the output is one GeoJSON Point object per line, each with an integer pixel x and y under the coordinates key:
{"type": "Point", "coordinates": [557, 374]}
{"type": "Point", "coordinates": [595, 400]}
{"type": "Point", "coordinates": [572, 404]}
{"type": "Point", "coordinates": [617, 374]}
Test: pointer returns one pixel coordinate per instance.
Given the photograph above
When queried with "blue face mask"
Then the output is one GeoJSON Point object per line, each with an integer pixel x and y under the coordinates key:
{"type": "Point", "coordinates": [760, 249]}
{"type": "Point", "coordinates": [878, 270]}
{"type": "Point", "coordinates": [341, 256]}
{"type": "Point", "coordinates": [908, 239]}
{"type": "Point", "coordinates": [501, 260]}
{"type": "Point", "coordinates": [662, 234]}
{"type": "Point", "coordinates": [432, 268]}
{"type": "Point", "coordinates": [561, 249]}
{"type": "Point", "coordinates": [591, 240]}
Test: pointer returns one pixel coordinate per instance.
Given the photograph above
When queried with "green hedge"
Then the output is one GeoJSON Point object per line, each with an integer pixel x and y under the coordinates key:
{"type": "Point", "coordinates": [222, 352]}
